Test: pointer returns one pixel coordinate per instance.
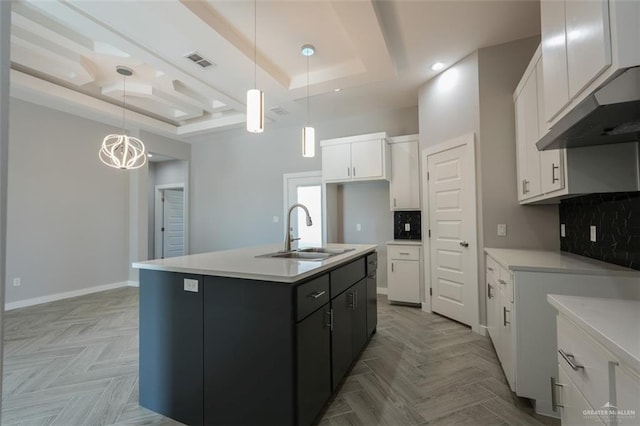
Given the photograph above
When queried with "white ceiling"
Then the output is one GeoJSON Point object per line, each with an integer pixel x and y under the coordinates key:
{"type": "Point", "coordinates": [64, 55]}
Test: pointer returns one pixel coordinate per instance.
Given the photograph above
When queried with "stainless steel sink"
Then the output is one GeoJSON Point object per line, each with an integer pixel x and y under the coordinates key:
{"type": "Point", "coordinates": [330, 251]}
{"type": "Point", "coordinates": [302, 255]}
{"type": "Point", "coordinates": [309, 253]}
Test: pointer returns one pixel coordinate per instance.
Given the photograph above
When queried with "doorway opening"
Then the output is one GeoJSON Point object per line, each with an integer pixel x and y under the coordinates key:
{"type": "Point", "coordinates": [304, 188]}
{"type": "Point", "coordinates": [169, 221]}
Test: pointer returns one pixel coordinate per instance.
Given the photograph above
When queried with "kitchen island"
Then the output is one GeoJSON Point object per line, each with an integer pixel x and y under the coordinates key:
{"type": "Point", "coordinates": [233, 337]}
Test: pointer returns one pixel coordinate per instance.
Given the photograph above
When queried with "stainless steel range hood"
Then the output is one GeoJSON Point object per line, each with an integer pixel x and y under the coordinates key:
{"type": "Point", "coordinates": [609, 115]}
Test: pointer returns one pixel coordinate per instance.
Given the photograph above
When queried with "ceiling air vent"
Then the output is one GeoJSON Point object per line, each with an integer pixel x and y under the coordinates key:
{"type": "Point", "coordinates": [198, 59]}
{"type": "Point", "coordinates": [279, 110]}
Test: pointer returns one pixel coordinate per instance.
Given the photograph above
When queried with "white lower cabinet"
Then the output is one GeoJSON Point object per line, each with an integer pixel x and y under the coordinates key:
{"type": "Point", "coordinates": [403, 273]}
{"type": "Point", "coordinates": [572, 404]}
{"type": "Point", "coordinates": [596, 383]}
{"type": "Point", "coordinates": [520, 322]}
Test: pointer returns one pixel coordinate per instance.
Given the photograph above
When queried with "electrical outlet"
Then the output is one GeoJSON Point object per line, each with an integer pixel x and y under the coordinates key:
{"type": "Point", "coordinates": [407, 227]}
{"type": "Point", "coordinates": [191, 285]}
{"type": "Point", "coordinates": [17, 282]}
{"type": "Point", "coordinates": [358, 227]}
{"type": "Point", "coordinates": [502, 230]}
{"type": "Point", "coordinates": [276, 219]}
{"type": "Point", "coordinates": [592, 233]}
{"type": "Point", "coordinates": [563, 231]}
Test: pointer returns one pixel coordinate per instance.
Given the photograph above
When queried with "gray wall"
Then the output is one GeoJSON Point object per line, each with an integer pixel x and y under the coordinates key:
{"type": "Point", "coordinates": [236, 181]}
{"type": "Point", "coordinates": [476, 95]}
{"type": "Point", "coordinates": [67, 213]}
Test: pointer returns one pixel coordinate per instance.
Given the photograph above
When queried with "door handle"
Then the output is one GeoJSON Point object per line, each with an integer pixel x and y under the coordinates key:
{"type": "Point", "coordinates": [570, 360]}
{"type": "Point", "coordinates": [317, 294]}
{"type": "Point", "coordinates": [464, 244]}
{"type": "Point", "coordinates": [554, 394]}
{"type": "Point", "coordinates": [554, 179]}
{"type": "Point", "coordinates": [330, 313]}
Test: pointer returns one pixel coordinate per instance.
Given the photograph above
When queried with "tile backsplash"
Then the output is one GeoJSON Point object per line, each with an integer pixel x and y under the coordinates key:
{"type": "Point", "coordinates": [617, 220]}
{"type": "Point", "coordinates": [401, 219]}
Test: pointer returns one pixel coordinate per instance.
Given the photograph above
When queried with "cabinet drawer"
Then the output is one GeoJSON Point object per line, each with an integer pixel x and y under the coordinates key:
{"type": "Point", "coordinates": [572, 403]}
{"type": "Point", "coordinates": [345, 276]}
{"type": "Point", "coordinates": [404, 252]}
{"type": "Point", "coordinates": [627, 389]}
{"type": "Point", "coordinates": [312, 295]}
{"type": "Point", "coordinates": [591, 363]}
{"type": "Point", "coordinates": [493, 269]}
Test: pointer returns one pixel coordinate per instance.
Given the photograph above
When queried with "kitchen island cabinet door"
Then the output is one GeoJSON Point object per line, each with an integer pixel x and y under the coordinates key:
{"type": "Point", "coordinates": [359, 317]}
{"type": "Point", "coordinates": [314, 364]}
{"type": "Point", "coordinates": [170, 330]}
{"type": "Point", "coordinates": [342, 336]}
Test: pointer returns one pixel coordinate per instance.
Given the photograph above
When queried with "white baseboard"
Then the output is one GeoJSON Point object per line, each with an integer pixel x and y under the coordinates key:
{"type": "Point", "coordinates": [66, 295]}
{"type": "Point", "coordinates": [382, 290]}
{"type": "Point", "coordinates": [133, 283]}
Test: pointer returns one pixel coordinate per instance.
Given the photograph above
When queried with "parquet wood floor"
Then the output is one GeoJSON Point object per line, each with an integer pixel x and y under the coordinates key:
{"type": "Point", "coordinates": [75, 362]}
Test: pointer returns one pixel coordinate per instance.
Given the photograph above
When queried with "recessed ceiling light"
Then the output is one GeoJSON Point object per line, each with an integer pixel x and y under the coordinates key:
{"type": "Point", "coordinates": [437, 66]}
{"type": "Point", "coordinates": [337, 90]}
{"type": "Point", "coordinates": [149, 155]}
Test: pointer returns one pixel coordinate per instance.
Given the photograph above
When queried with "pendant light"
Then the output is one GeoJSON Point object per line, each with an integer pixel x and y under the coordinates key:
{"type": "Point", "coordinates": [308, 132]}
{"type": "Point", "coordinates": [122, 151]}
{"type": "Point", "coordinates": [255, 97]}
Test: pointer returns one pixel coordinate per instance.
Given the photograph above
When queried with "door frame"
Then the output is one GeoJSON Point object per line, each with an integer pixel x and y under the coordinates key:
{"type": "Point", "coordinates": [469, 141]}
{"type": "Point", "coordinates": [157, 214]}
{"type": "Point", "coordinates": [288, 178]}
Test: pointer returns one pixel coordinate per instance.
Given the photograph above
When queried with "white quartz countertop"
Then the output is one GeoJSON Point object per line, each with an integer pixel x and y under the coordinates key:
{"type": "Point", "coordinates": [555, 261]}
{"type": "Point", "coordinates": [405, 242]}
{"type": "Point", "coordinates": [243, 263]}
{"type": "Point", "coordinates": [612, 322]}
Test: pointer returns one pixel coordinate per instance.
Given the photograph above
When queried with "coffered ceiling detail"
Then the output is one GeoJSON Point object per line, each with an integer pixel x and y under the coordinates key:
{"type": "Point", "coordinates": [64, 55]}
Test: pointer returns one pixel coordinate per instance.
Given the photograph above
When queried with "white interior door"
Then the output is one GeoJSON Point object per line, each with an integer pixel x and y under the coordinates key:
{"type": "Point", "coordinates": [173, 223]}
{"type": "Point", "coordinates": [452, 225]}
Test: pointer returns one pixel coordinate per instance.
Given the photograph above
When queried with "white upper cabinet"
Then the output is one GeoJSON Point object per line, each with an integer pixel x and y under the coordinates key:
{"type": "Point", "coordinates": [528, 133]}
{"type": "Point", "coordinates": [554, 52]}
{"type": "Point", "coordinates": [356, 158]}
{"type": "Point", "coordinates": [584, 44]}
{"type": "Point", "coordinates": [548, 176]}
{"type": "Point", "coordinates": [404, 188]}
{"type": "Point", "coordinates": [336, 162]}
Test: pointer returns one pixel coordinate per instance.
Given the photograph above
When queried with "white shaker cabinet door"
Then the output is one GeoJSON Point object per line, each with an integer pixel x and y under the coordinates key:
{"type": "Point", "coordinates": [404, 281]}
{"type": "Point", "coordinates": [554, 52]}
{"type": "Point", "coordinates": [588, 42]}
{"type": "Point", "coordinates": [404, 186]}
{"type": "Point", "coordinates": [336, 162]}
{"type": "Point", "coordinates": [366, 159]}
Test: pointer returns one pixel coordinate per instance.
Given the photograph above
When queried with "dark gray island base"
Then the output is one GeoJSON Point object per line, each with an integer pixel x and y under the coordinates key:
{"type": "Point", "coordinates": [249, 352]}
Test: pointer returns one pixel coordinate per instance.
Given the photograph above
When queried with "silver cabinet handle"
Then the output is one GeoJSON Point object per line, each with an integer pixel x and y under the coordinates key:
{"type": "Point", "coordinates": [504, 316]}
{"type": "Point", "coordinates": [570, 360]}
{"type": "Point", "coordinates": [503, 282]}
{"type": "Point", "coordinates": [352, 300]}
{"type": "Point", "coordinates": [404, 253]}
{"type": "Point", "coordinates": [349, 171]}
{"type": "Point", "coordinates": [354, 172]}
{"type": "Point", "coordinates": [525, 186]}
{"type": "Point", "coordinates": [489, 289]}
{"type": "Point", "coordinates": [464, 244]}
{"type": "Point", "coordinates": [554, 394]}
{"type": "Point", "coordinates": [355, 300]}
{"type": "Point", "coordinates": [394, 202]}
{"type": "Point", "coordinates": [490, 268]}
{"type": "Point", "coordinates": [554, 179]}
{"type": "Point", "coordinates": [317, 294]}
{"type": "Point", "coordinates": [330, 313]}
{"type": "Point", "coordinates": [391, 266]}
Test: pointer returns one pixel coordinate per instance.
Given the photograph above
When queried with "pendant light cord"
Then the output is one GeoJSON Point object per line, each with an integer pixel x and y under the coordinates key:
{"type": "Point", "coordinates": [124, 100]}
{"type": "Point", "coordinates": [307, 91]}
